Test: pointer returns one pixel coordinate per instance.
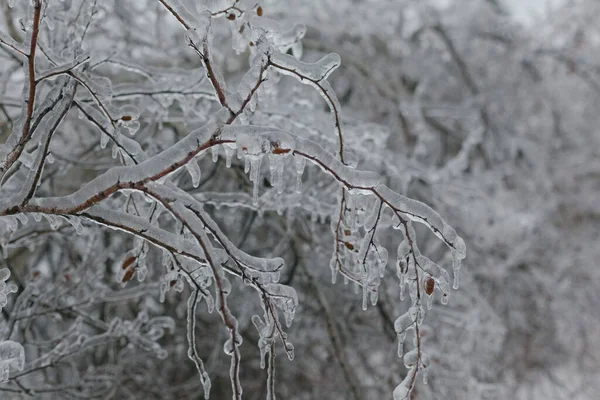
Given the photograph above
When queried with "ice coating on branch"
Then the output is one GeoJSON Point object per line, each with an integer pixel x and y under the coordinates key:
{"type": "Point", "coordinates": [411, 358]}
{"type": "Point", "coordinates": [228, 346]}
{"type": "Point", "coordinates": [402, 391]}
{"type": "Point", "coordinates": [217, 5]}
{"type": "Point", "coordinates": [113, 219]}
{"type": "Point", "coordinates": [200, 219]}
{"type": "Point", "coordinates": [306, 72]}
{"type": "Point", "coordinates": [128, 118]}
{"type": "Point", "coordinates": [332, 166]}
{"type": "Point", "coordinates": [420, 212]}
{"type": "Point", "coordinates": [278, 35]}
{"type": "Point", "coordinates": [247, 85]}
{"type": "Point", "coordinates": [143, 171]}
{"type": "Point", "coordinates": [78, 61]}
{"type": "Point", "coordinates": [50, 101]}
{"type": "Point", "coordinates": [100, 88]}
{"type": "Point", "coordinates": [191, 337]}
{"type": "Point", "coordinates": [12, 355]}
{"type": "Point", "coordinates": [285, 298]}
{"type": "Point", "coordinates": [257, 140]}
{"type": "Point", "coordinates": [11, 42]}
{"type": "Point", "coordinates": [402, 325]}
{"type": "Point", "coordinates": [183, 13]}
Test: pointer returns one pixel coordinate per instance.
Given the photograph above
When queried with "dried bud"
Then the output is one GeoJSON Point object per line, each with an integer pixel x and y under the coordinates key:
{"type": "Point", "coordinates": [259, 11]}
{"type": "Point", "coordinates": [429, 285]}
{"type": "Point", "coordinates": [128, 261]}
{"type": "Point", "coordinates": [349, 245]}
{"type": "Point", "coordinates": [279, 150]}
{"type": "Point", "coordinates": [347, 232]}
{"type": "Point", "coordinates": [128, 274]}
{"type": "Point", "coordinates": [231, 17]}
{"type": "Point", "coordinates": [173, 282]}
{"type": "Point", "coordinates": [126, 118]}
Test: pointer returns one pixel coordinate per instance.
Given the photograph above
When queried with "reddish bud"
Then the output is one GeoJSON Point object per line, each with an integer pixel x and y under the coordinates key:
{"type": "Point", "coordinates": [279, 150]}
{"type": "Point", "coordinates": [259, 11]}
{"type": "Point", "coordinates": [128, 261]}
{"type": "Point", "coordinates": [429, 285]}
{"type": "Point", "coordinates": [128, 275]}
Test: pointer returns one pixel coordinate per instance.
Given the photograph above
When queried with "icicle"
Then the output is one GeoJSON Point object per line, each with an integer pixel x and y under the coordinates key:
{"type": "Point", "coordinates": [444, 298]}
{"type": "Point", "coordinates": [194, 170]}
{"type": "Point", "coordinates": [52, 220]}
{"type": "Point", "coordinates": [456, 261]}
{"type": "Point", "coordinates": [272, 168]}
{"type": "Point", "coordinates": [276, 166]}
{"type": "Point", "coordinates": [365, 293]}
{"type": "Point", "coordinates": [246, 165]}
{"type": "Point", "coordinates": [255, 162]}
{"type": "Point", "coordinates": [22, 218]}
{"type": "Point", "coordinates": [103, 140]}
{"type": "Point", "coordinates": [142, 272]}
{"type": "Point", "coordinates": [11, 222]}
{"type": "Point", "coordinates": [215, 153]}
{"type": "Point", "coordinates": [76, 224]}
{"type": "Point", "coordinates": [402, 286]}
{"type": "Point", "coordinates": [300, 163]}
{"type": "Point", "coordinates": [50, 158]}
{"type": "Point", "coordinates": [162, 292]}
{"type": "Point", "coordinates": [333, 266]}
{"type": "Point", "coordinates": [228, 155]}
{"type": "Point", "coordinates": [279, 172]}
{"type": "Point", "coordinates": [374, 296]}
{"type": "Point", "coordinates": [429, 301]}
{"type": "Point", "coordinates": [289, 349]}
